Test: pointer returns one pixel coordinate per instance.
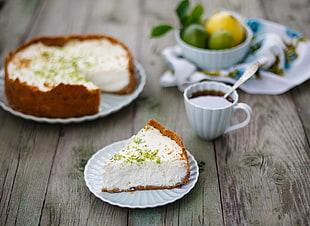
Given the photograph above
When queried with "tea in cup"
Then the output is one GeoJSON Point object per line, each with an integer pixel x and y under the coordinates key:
{"type": "Point", "coordinates": [209, 113]}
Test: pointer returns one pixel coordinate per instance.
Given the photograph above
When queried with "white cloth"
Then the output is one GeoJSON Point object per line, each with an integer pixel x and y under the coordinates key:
{"type": "Point", "coordinates": [275, 45]}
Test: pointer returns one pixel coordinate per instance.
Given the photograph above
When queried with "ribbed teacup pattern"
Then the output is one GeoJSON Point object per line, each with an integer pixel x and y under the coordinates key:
{"type": "Point", "coordinates": [209, 123]}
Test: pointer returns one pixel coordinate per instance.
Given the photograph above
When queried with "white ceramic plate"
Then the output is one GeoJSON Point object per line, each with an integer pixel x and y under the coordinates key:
{"type": "Point", "coordinates": [109, 102]}
{"type": "Point", "coordinates": [137, 199]}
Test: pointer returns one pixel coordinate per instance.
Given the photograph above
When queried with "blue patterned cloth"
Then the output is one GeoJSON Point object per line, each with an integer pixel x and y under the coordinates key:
{"type": "Point", "coordinates": [283, 53]}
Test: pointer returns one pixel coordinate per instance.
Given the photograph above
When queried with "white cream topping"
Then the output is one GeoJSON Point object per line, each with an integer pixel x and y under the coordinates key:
{"type": "Point", "coordinates": [92, 63]}
{"type": "Point", "coordinates": [149, 158]}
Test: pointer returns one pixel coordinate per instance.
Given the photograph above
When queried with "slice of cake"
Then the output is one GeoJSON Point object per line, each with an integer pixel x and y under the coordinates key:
{"type": "Point", "coordinates": [154, 158]}
{"type": "Point", "coordinates": [64, 76]}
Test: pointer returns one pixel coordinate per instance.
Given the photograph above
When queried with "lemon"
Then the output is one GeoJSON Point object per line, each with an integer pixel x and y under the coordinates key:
{"type": "Point", "coordinates": [221, 39]}
{"type": "Point", "coordinates": [226, 21]}
{"type": "Point", "coordinates": [195, 35]}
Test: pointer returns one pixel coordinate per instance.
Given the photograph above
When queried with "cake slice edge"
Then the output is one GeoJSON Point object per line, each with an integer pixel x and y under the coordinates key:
{"type": "Point", "coordinates": [173, 136]}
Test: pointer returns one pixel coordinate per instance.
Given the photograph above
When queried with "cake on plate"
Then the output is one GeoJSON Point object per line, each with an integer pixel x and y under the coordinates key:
{"type": "Point", "coordinates": [63, 76]}
{"type": "Point", "coordinates": [154, 158]}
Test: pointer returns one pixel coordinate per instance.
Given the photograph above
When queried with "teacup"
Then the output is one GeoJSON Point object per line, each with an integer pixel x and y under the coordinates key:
{"type": "Point", "coordinates": [211, 117]}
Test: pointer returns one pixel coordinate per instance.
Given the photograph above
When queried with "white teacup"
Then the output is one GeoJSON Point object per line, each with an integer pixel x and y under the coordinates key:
{"type": "Point", "coordinates": [211, 122]}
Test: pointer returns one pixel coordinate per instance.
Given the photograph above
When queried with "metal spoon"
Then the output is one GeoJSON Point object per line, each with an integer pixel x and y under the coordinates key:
{"type": "Point", "coordinates": [246, 75]}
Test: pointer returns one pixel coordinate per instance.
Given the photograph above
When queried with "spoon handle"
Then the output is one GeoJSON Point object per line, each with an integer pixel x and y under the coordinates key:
{"type": "Point", "coordinates": [246, 75]}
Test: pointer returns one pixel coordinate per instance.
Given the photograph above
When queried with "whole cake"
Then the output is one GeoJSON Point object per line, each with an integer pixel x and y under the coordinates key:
{"type": "Point", "coordinates": [154, 158]}
{"type": "Point", "coordinates": [63, 76]}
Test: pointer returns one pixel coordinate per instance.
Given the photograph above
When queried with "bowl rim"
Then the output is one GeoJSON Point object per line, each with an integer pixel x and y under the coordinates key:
{"type": "Point", "coordinates": [249, 37]}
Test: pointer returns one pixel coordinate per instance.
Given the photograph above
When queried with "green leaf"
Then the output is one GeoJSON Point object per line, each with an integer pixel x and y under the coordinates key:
{"type": "Point", "coordinates": [182, 10]}
{"type": "Point", "coordinates": [160, 30]}
{"type": "Point", "coordinates": [195, 15]}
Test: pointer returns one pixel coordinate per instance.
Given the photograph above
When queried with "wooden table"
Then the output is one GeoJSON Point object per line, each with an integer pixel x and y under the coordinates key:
{"type": "Point", "coordinates": [258, 175]}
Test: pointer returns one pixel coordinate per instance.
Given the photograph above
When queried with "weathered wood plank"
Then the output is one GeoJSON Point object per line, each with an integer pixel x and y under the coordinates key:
{"type": "Point", "coordinates": [25, 158]}
{"type": "Point", "coordinates": [301, 96]}
{"type": "Point", "coordinates": [61, 18]}
{"type": "Point", "coordinates": [295, 15]}
{"type": "Point", "coordinates": [263, 171]}
{"type": "Point", "coordinates": [68, 200]}
{"type": "Point", "coordinates": [9, 158]}
{"type": "Point", "coordinates": [13, 29]}
{"type": "Point", "coordinates": [202, 205]}
{"type": "Point", "coordinates": [75, 204]}
{"type": "Point", "coordinates": [263, 168]}
{"type": "Point", "coordinates": [256, 175]}
{"type": "Point", "coordinates": [25, 169]}
{"type": "Point", "coordinates": [297, 18]}
{"type": "Point", "coordinates": [117, 21]}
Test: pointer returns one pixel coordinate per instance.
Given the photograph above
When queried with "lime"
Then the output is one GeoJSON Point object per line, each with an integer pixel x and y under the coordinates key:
{"type": "Point", "coordinates": [221, 39]}
{"type": "Point", "coordinates": [226, 21]}
{"type": "Point", "coordinates": [195, 35]}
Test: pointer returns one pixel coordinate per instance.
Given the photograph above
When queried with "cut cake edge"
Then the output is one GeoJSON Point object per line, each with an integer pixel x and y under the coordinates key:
{"type": "Point", "coordinates": [172, 135]}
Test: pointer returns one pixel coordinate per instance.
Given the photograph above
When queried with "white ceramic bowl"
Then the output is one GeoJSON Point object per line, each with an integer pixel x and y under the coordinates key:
{"type": "Point", "coordinates": [206, 59]}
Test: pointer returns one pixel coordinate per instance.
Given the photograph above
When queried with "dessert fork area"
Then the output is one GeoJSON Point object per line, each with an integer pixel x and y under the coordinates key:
{"type": "Point", "coordinates": [256, 175]}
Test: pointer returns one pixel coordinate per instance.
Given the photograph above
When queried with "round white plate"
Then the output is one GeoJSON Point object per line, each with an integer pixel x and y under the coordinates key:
{"type": "Point", "coordinates": [109, 102]}
{"type": "Point", "coordinates": [137, 199]}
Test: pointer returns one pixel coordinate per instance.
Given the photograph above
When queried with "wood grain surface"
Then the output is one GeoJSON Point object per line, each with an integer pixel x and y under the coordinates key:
{"type": "Point", "coordinates": [257, 175]}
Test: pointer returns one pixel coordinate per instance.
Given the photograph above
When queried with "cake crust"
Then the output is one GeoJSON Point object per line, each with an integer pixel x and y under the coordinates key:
{"type": "Point", "coordinates": [172, 135]}
{"type": "Point", "coordinates": [63, 100]}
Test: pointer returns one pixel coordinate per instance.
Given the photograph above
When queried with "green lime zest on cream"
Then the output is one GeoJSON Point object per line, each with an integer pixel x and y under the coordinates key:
{"type": "Point", "coordinates": [139, 155]}
{"type": "Point", "coordinates": [138, 140]}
